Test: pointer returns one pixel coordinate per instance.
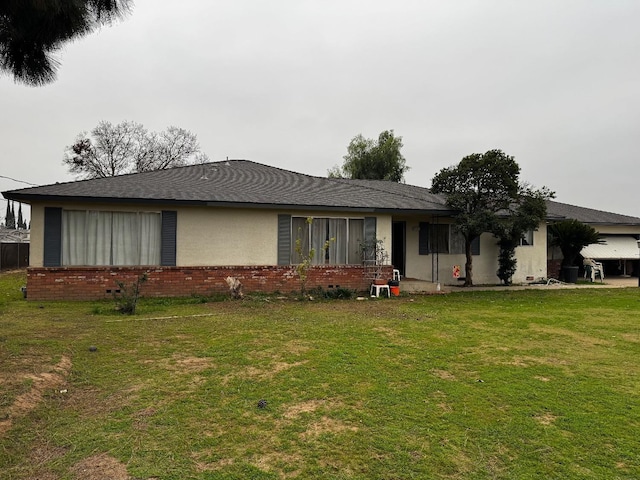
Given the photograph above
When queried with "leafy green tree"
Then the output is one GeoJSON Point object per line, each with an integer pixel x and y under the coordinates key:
{"type": "Point", "coordinates": [524, 214]}
{"type": "Point", "coordinates": [480, 187]}
{"type": "Point", "coordinates": [571, 236]}
{"type": "Point", "coordinates": [31, 31]}
{"type": "Point", "coordinates": [368, 159]}
{"type": "Point", "coordinates": [130, 148]}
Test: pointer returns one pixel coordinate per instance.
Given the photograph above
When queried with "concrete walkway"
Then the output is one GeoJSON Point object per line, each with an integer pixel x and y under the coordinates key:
{"type": "Point", "coordinates": [419, 286]}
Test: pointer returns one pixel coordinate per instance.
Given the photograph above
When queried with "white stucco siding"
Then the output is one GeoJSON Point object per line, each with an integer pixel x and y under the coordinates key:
{"type": "Point", "coordinates": [216, 236]}
{"type": "Point", "coordinates": [36, 247]}
{"type": "Point", "coordinates": [383, 232]}
{"type": "Point", "coordinates": [532, 260]}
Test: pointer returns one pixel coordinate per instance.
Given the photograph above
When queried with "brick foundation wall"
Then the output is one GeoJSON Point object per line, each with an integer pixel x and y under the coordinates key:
{"type": "Point", "coordinates": [553, 268]}
{"type": "Point", "coordinates": [92, 283]}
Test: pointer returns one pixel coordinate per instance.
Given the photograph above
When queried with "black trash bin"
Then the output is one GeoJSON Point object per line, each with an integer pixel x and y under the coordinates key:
{"type": "Point", "coordinates": [570, 274]}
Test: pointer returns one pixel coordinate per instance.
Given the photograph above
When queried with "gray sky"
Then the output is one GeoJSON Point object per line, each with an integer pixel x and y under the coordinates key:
{"type": "Point", "coordinates": [554, 83]}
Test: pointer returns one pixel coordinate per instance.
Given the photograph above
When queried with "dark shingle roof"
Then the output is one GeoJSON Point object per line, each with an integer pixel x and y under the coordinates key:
{"type": "Point", "coordinates": [557, 211]}
{"type": "Point", "coordinates": [240, 183]}
{"type": "Point", "coordinates": [248, 184]}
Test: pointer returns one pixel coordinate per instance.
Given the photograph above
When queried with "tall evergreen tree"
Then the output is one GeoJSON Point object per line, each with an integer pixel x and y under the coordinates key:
{"type": "Point", "coordinates": [20, 223]}
{"type": "Point", "coordinates": [11, 217]}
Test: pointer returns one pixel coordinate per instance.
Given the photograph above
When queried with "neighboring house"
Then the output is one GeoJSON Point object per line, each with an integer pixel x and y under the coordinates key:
{"type": "Point", "coordinates": [191, 227]}
{"type": "Point", "coordinates": [620, 233]}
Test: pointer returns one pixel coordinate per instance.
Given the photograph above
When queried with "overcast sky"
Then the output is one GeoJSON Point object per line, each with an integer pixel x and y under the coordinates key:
{"type": "Point", "coordinates": [289, 83]}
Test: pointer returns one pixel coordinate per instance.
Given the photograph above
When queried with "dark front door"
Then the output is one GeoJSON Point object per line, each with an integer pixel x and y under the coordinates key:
{"type": "Point", "coordinates": [398, 244]}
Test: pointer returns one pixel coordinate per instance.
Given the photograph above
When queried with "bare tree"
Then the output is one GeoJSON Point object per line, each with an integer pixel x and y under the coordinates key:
{"type": "Point", "coordinates": [128, 147]}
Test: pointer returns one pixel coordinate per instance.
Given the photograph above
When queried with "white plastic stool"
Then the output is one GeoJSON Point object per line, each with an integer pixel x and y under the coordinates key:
{"type": "Point", "coordinates": [396, 274]}
{"type": "Point", "coordinates": [378, 289]}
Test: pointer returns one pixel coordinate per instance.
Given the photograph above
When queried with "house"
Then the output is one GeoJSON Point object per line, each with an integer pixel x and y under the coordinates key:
{"type": "Point", "coordinates": [619, 252]}
{"type": "Point", "coordinates": [190, 227]}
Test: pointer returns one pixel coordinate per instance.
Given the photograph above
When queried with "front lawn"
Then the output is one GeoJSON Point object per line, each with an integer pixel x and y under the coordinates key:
{"type": "Point", "coordinates": [472, 385]}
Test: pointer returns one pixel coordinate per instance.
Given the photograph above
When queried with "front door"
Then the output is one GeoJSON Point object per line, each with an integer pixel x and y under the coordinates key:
{"type": "Point", "coordinates": [398, 245]}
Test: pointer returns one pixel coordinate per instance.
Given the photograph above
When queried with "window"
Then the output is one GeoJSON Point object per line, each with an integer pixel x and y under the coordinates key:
{"type": "Point", "coordinates": [110, 238]}
{"type": "Point", "coordinates": [527, 238]}
{"type": "Point", "coordinates": [457, 242]}
{"type": "Point", "coordinates": [439, 238]}
{"type": "Point", "coordinates": [342, 235]}
{"type": "Point", "coordinates": [443, 238]}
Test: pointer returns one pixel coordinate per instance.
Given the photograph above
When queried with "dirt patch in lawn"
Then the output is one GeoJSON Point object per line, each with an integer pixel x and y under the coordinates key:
{"type": "Point", "coordinates": [100, 467]}
{"type": "Point", "coordinates": [42, 382]}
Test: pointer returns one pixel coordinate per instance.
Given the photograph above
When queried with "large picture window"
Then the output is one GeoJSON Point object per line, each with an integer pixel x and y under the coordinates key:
{"type": "Point", "coordinates": [110, 238]}
{"type": "Point", "coordinates": [341, 236]}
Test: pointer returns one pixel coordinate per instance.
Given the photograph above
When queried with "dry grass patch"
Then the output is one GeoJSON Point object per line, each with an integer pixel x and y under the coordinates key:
{"type": "Point", "coordinates": [277, 462]}
{"type": "Point", "coordinates": [310, 406]}
{"type": "Point", "coordinates": [327, 425]}
{"type": "Point", "coordinates": [41, 383]}
{"type": "Point", "coordinates": [546, 418]}
{"type": "Point", "coordinates": [578, 338]}
{"type": "Point", "coordinates": [443, 374]}
{"type": "Point", "coordinates": [205, 466]}
{"type": "Point", "coordinates": [100, 467]}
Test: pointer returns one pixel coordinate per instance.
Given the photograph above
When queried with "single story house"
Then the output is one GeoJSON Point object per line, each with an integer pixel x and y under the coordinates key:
{"type": "Point", "coordinates": [191, 227]}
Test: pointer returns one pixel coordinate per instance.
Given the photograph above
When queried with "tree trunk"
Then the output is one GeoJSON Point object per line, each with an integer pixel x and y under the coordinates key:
{"type": "Point", "coordinates": [468, 267]}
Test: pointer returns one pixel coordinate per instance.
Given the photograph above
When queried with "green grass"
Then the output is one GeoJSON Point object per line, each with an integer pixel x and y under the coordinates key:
{"type": "Point", "coordinates": [474, 385]}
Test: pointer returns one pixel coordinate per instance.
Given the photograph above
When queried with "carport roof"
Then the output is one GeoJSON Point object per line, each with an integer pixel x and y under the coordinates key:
{"type": "Point", "coordinates": [616, 247]}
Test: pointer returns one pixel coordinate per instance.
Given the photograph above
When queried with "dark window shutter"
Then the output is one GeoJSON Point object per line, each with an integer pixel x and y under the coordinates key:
{"type": "Point", "coordinates": [284, 239]}
{"type": "Point", "coordinates": [475, 246]}
{"type": "Point", "coordinates": [52, 237]}
{"type": "Point", "coordinates": [423, 239]}
{"type": "Point", "coordinates": [168, 238]}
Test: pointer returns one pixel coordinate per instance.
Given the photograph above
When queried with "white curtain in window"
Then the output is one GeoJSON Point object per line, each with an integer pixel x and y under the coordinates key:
{"type": "Point", "coordinates": [74, 227]}
{"type": "Point", "coordinates": [98, 238]}
{"type": "Point", "coordinates": [125, 240]}
{"type": "Point", "coordinates": [111, 238]}
{"type": "Point", "coordinates": [150, 234]}
{"type": "Point", "coordinates": [337, 241]}
{"type": "Point", "coordinates": [319, 235]}
{"type": "Point", "coordinates": [356, 239]}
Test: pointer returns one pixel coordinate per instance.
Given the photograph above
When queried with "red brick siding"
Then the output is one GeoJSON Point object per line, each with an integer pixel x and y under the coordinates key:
{"type": "Point", "coordinates": [553, 268]}
{"type": "Point", "coordinates": [90, 283]}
